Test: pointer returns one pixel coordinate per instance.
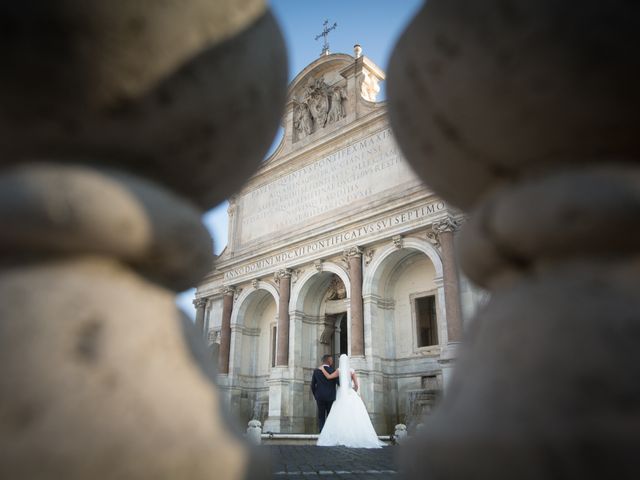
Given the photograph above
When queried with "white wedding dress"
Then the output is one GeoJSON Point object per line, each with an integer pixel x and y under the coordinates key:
{"type": "Point", "coordinates": [348, 423]}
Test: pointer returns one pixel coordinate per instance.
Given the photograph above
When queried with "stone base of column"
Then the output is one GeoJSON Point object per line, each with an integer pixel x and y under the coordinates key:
{"type": "Point", "coordinates": [447, 361]}
{"type": "Point", "coordinates": [224, 383]}
{"type": "Point", "coordinates": [285, 425]}
{"type": "Point", "coordinates": [280, 407]}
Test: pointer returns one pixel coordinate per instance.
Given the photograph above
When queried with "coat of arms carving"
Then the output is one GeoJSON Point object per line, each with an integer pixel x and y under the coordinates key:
{"type": "Point", "coordinates": [321, 105]}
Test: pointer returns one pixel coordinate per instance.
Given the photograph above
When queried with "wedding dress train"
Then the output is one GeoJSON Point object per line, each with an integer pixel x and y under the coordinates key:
{"type": "Point", "coordinates": [348, 423]}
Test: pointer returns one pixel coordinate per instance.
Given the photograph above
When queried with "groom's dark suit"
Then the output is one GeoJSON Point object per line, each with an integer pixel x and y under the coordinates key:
{"type": "Point", "coordinates": [324, 392]}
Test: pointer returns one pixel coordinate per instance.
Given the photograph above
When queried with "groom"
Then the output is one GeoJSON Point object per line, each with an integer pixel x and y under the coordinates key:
{"type": "Point", "coordinates": [323, 390]}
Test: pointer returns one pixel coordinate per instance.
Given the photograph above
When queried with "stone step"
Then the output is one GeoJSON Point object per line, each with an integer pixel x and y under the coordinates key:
{"type": "Point", "coordinates": [303, 439]}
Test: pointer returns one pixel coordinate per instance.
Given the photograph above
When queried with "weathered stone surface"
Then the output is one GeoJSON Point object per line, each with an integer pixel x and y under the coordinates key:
{"type": "Point", "coordinates": [56, 209]}
{"type": "Point", "coordinates": [486, 92]}
{"type": "Point", "coordinates": [522, 113]}
{"type": "Point", "coordinates": [168, 107]}
{"type": "Point", "coordinates": [99, 380]}
{"type": "Point", "coordinates": [546, 385]}
{"type": "Point", "coordinates": [187, 93]}
{"type": "Point", "coordinates": [589, 213]}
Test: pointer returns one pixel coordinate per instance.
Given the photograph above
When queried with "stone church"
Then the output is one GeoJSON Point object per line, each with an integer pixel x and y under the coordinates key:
{"type": "Point", "coordinates": [335, 246]}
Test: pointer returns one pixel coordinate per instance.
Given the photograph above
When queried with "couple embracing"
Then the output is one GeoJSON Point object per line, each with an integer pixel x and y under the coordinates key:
{"type": "Point", "coordinates": [342, 416]}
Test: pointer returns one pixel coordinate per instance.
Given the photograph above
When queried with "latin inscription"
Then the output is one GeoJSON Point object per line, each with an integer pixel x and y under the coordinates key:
{"type": "Point", "coordinates": [356, 172]}
{"type": "Point", "coordinates": [336, 239]}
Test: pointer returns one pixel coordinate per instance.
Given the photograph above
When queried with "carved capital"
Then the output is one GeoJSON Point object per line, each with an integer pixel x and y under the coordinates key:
{"type": "Point", "coordinates": [228, 290]}
{"type": "Point", "coordinates": [353, 252]}
{"type": "Point", "coordinates": [200, 302]}
{"type": "Point", "coordinates": [282, 273]}
{"type": "Point", "coordinates": [285, 273]}
{"type": "Point", "coordinates": [447, 224]}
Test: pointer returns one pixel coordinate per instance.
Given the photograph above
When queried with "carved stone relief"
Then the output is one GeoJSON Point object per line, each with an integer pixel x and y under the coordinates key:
{"type": "Point", "coordinates": [321, 105]}
{"type": "Point", "coordinates": [337, 289]}
{"type": "Point", "coordinates": [368, 255]}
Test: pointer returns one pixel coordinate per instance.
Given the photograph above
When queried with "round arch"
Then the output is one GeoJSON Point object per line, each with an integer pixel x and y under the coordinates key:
{"type": "Point", "coordinates": [244, 300]}
{"type": "Point", "coordinates": [374, 271]}
{"type": "Point", "coordinates": [298, 290]}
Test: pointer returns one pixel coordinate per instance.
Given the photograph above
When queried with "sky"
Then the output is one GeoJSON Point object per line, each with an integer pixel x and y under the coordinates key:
{"type": "Point", "coordinates": [374, 24]}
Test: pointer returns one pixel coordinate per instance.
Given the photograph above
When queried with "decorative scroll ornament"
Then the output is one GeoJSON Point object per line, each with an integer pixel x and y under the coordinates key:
{"type": "Point", "coordinates": [368, 255]}
{"type": "Point", "coordinates": [295, 274]}
{"type": "Point", "coordinates": [432, 237]}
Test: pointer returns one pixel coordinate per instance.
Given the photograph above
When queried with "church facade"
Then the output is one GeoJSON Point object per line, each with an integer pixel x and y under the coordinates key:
{"type": "Point", "coordinates": [335, 247]}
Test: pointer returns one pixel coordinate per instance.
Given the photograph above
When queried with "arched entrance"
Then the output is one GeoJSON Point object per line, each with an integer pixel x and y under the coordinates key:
{"type": "Point", "coordinates": [319, 315]}
{"type": "Point", "coordinates": [252, 356]}
{"type": "Point", "coordinates": [405, 330]}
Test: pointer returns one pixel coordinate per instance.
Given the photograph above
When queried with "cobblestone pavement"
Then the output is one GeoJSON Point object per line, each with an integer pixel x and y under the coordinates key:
{"type": "Point", "coordinates": [311, 462]}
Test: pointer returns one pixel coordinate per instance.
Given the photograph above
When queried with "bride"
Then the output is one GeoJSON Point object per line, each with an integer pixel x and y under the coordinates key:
{"type": "Point", "coordinates": [348, 423]}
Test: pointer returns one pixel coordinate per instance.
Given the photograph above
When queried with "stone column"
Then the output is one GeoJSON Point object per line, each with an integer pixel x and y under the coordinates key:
{"type": "Point", "coordinates": [225, 330]}
{"type": "Point", "coordinates": [444, 230]}
{"type": "Point", "coordinates": [201, 305]}
{"type": "Point", "coordinates": [283, 278]}
{"type": "Point", "coordinates": [354, 259]}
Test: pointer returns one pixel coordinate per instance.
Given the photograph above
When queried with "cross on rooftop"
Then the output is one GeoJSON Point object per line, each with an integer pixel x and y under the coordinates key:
{"type": "Point", "coordinates": [325, 34]}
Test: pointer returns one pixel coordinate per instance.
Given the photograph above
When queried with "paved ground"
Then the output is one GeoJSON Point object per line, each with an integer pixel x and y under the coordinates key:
{"type": "Point", "coordinates": [311, 462]}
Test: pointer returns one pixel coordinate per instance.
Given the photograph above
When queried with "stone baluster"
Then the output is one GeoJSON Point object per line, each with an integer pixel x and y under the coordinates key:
{"type": "Point", "coordinates": [354, 258]}
{"type": "Point", "coordinates": [284, 293]}
{"type": "Point", "coordinates": [108, 109]}
{"type": "Point", "coordinates": [400, 434]}
{"type": "Point", "coordinates": [254, 432]}
{"type": "Point", "coordinates": [524, 114]}
{"type": "Point", "coordinates": [225, 329]}
{"type": "Point", "coordinates": [201, 305]}
{"type": "Point", "coordinates": [444, 229]}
